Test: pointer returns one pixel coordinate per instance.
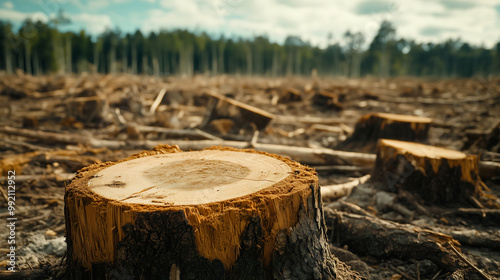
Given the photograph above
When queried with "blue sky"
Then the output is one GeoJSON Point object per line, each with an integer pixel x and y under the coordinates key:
{"type": "Point", "coordinates": [477, 22]}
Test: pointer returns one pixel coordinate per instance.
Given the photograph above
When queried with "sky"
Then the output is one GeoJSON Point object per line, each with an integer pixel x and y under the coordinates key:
{"type": "Point", "coordinates": [318, 21]}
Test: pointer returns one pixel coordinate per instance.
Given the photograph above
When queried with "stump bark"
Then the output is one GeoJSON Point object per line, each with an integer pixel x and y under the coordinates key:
{"type": "Point", "coordinates": [372, 127]}
{"type": "Point", "coordinates": [437, 175]}
{"type": "Point", "coordinates": [219, 213]}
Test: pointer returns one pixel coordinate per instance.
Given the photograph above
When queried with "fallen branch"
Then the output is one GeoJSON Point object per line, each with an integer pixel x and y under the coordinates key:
{"type": "Point", "coordinates": [367, 235]}
{"type": "Point", "coordinates": [341, 190]}
{"type": "Point", "coordinates": [462, 257]}
{"type": "Point", "coordinates": [25, 145]}
{"type": "Point", "coordinates": [311, 156]}
{"type": "Point", "coordinates": [158, 100]}
{"type": "Point", "coordinates": [485, 217]}
{"type": "Point", "coordinates": [399, 271]}
{"type": "Point", "coordinates": [180, 133]}
{"type": "Point", "coordinates": [283, 119]}
{"type": "Point", "coordinates": [341, 168]}
{"type": "Point", "coordinates": [49, 137]}
{"type": "Point", "coordinates": [489, 169]}
{"type": "Point", "coordinates": [475, 238]}
{"type": "Point", "coordinates": [346, 206]}
{"type": "Point", "coordinates": [51, 177]}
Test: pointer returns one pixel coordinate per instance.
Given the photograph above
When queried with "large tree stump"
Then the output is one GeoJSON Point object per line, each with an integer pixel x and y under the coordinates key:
{"type": "Point", "coordinates": [436, 174]}
{"type": "Point", "coordinates": [372, 127]}
{"type": "Point", "coordinates": [219, 213]}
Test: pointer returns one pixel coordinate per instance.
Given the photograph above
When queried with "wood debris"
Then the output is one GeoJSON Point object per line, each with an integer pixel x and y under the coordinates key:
{"type": "Point", "coordinates": [51, 126]}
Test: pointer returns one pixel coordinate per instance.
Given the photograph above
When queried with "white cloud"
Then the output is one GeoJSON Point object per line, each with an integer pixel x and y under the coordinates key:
{"type": "Point", "coordinates": [313, 20]}
{"type": "Point", "coordinates": [8, 5]}
{"type": "Point", "coordinates": [476, 25]}
{"type": "Point", "coordinates": [18, 17]}
{"type": "Point", "coordinates": [310, 20]}
{"type": "Point", "coordinates": [93, 5]}
{"type": "Point", "coordinates": [92, 23]}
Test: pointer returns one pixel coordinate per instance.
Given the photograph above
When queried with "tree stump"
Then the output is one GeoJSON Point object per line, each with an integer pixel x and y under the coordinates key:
{"type": "Point", "coordinates": [437, 175]}
{"type": "Point", "coordinates": [220, 213]}
{"type": "Point", "coordinates": [328, 100]}
{"type": "Point", "coordinates": [372, 127]}
{"type": "Point", "coordinates": [236, 116]}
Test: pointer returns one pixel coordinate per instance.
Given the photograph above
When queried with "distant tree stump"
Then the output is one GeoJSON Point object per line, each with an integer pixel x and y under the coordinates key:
{"type": "Point", "coordinates": [437, 175]}
{"type": "Point", "coordinates": [226, 115]}
{"type": "Point", "coordinates": [219, 213]}
{"type": "Point", "coordinates": [290, 94]}
{"type": "Point", "coordinates": [328, 100]}
{"type": "Point", "coordinates": [372, 127]}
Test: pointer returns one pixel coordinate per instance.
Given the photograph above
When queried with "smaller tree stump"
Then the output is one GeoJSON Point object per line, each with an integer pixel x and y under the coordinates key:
{"type": "Point", "coordinates": [437, 175]}
{"type": "Point", "coordinates": [372, 127]}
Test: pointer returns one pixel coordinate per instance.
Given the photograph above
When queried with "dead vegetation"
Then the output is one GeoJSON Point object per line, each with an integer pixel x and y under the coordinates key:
{"type": "Point", "coordinates": [52, 126]}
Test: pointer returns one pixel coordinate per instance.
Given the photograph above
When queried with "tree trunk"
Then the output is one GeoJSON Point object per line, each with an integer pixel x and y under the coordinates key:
{"type": "Point", "coordinates": [96, 57]}
{"type": "Point", "coordinates": [437, 175]}
{"type": "Point", "coordinates": [134, 59]}
{"type": "Point", "coordinates": [156, 66]}
{"type": "Point", "coordinates": [60, 55]}
{"type": "Point", "coordinates": [214, 61]}
{"type": "Point", "coordinates": [220, 213]}
{"type": "Point", "coordinates": [372, 127]}
{"type": "Point", "coordinates": [124, 68]}
{"type": "Point", "coordinates": [145, 65]}
{"type": "Point", "coordinates": [20, 61]}
{"type": "Point", "coordinates": [27, 58]}
{"type": "Point", "coordinates": [112, 59]}
{"type": "Point", "coordinates": [275, 64]}
{"type": "Point", "coordinates": [289, 63]}
{"type": "Point", "coordinates": [249, 59]}
{"type": "Point", "coordinates": [69, 65]}
{"type": "Point", "coordinates": [220, 57]}
{"type": "Point", "coordinates": [8, 57]}
{"type": "Point", "coordinates": [36, 63]}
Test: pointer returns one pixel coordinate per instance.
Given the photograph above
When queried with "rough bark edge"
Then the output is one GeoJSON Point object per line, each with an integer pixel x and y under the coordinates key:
{"type": "Point", "coordinates": [302, 252]}
{"type": "Point", "coordinates": [161, 241]}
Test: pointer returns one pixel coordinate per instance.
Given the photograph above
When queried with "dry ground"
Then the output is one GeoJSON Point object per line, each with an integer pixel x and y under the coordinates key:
{"type": "Point", "coordinates": [118, 108]}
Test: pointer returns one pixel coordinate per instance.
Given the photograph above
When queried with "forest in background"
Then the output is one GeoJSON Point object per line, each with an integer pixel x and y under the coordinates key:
{"type": "Point", "coordinates": [40, 48]}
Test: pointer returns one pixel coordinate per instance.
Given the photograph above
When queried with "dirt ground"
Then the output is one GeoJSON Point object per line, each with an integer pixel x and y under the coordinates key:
{"type": "Point", "coordinates": [90, 110]}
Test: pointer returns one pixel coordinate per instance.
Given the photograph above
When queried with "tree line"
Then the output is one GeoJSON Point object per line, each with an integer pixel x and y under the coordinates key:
{"type": "Point", "coordinates": [40, 48]}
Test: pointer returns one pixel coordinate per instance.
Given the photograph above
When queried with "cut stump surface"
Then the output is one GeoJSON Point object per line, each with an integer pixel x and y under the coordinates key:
{"type": "Point", "coordinates": [188, 178]}
{"type": "Point", "coordinates": [219, 213]}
